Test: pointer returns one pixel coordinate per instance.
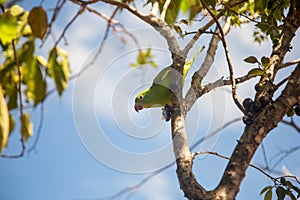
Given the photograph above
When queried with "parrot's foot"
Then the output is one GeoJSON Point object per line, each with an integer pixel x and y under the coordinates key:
{"type": "Point", "coordinates": [166, 112]}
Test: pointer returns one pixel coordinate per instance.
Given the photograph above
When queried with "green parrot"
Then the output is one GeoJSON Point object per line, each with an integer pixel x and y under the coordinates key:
{"type": "Point", "coordinates": [159, 94]}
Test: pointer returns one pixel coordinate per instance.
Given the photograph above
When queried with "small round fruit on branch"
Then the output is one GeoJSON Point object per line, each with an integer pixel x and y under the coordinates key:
{"type": "Point", "coordinates": [248, 119]}
{"type": "Point", "coordinates": [256, 106]}
{"type": "Point", "coordinates": [247, 103]}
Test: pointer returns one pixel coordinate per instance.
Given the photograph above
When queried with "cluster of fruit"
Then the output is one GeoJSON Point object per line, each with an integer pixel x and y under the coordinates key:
{"type": "Point", "coordinates": [251, 107]}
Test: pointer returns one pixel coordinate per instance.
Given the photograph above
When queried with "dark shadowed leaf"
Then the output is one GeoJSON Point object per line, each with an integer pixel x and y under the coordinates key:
{"type": "Point", "coordinates": [13, 98]}
{"type": "Point", "coordinates": [251, 59]}
{"type": "Point", "coordinates": [37, 20]}
{"type": "Point", "coordinates": [265, 61]}
{"type": "Point", "coordinates": [280, 191]}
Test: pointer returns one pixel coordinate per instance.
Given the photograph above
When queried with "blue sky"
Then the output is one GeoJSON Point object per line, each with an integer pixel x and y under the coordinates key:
{"type": "Point", "coordinates": [92, 143]}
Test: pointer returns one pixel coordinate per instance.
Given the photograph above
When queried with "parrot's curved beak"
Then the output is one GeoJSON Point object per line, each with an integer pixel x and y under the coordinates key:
{"type": "Point", "coordinates": [138, 107]}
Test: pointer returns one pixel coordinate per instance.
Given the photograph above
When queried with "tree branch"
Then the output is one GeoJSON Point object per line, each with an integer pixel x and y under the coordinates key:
{"type": "Point", "coordinates": [194, 91]}
{"type": "Point", "coordinates": [80, 11]}
{"type": "Point", "coordinates": [20, 106]}
{"type": "Point", "coordinates": [254, 134]}
{"type": "Point", "coordinates": [227, 158]}
{"type": "Point", "coordinates": [287, 64]}
{"type": "Point", "coordinates": [201, 30]}
{"type": "Point", "coordinates": [230, 66]}
{"type": "Point", "coordinates": [164, 10]}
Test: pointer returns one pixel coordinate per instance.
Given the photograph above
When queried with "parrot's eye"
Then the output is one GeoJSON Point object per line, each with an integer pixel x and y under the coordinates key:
{"type": "Point", "coordinates": [141, 97]}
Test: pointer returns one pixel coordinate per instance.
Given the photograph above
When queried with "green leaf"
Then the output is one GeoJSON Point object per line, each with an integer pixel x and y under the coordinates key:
{"type": "Point", "coordinates": [13, 98]}
{"type": "Point", "coordinates": [260, 5]}
{"type": "Point", "coordinates": [185, 5]}
{"type": "Point", "coordinates": [178, 30]}
{"type": "Point", "coordinates": [59, 68]}
{"type": "Point", "coordinates": [144, 58]}
{"type": "Point", "coordinates": [195, 9]}
{"type": "Point", "coordinates": [42, 61]}
{"type": "Point", "coordinates": [3, 1]}
{"type": "Point", "coordinates": [256, 72]}
{"type": "Point", "coordinates": [36, 86]}
{"type": "Point", "coordinates": [11, 124]}
{"type": "Point", "coordinates": [27, 127]}
{"type": "Point", "coordinates": [265, 189]}
{"type": "Point", "coordinates": [280, 191]}
{"type": "Point", "coordinates": [8, 28]}
{"type": "Point", "coordinates": [251, 59]}
{"type": "Point", "coordinates": [141, 60]}
{"type": "Point", "coordinates": [291, 112]}
{"type": "Point", "coordinates": [4, 121]}
{"type": "Point", "coordinates": [38, 22]}
{"type": "Point", "coordinates": [153, 64]}
{"type": "Point", "coordinates": [265, 61]}
{"type": "Point", "coordinates": [26, 51]}
{"type": "Point", "coordinates": [16, 10]}
{"type": "Point", "coordinates": [172, 11]}
{"type": "Point", "coordinates": [268, 195]}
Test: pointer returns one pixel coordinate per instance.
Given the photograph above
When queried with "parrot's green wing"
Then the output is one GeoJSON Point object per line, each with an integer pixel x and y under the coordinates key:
{"type": "Point", "coordinates": [159, 94]}
{"type": "Point", "coordinates": [163, 77]}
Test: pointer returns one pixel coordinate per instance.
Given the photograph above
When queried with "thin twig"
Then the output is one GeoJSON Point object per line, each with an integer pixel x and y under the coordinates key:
{"type": "Point", "coordinates": [57, 8]}
{"type": "Point", "coordinates": [287, 64]}
{"type": "Point", "coordinates": [110, 23]}
{"type": "Point", "coordinates": [265, 155]}
{"type": "Point", "coordinates": [131, 189]}
{"type": "Point", "coordinates": [38, 132]}
{"type": "Point", "coordinates": [164, 10]}
{"type": "Point", "coordinates": [201, 30]}
{"type": "Point", "coordinates": [155, 8]}
{"type": "Point", "coordinates": [282, 155]}
{"type": "Point", "coordinates": [292, 124]}
{"type": "Point", "coordinates": [20, 104]}
{"type": "Point", "coordinates": [230, 66]}
{"type": "Point", "coordinates": [215, 132]}
{"type": "Point", "coordinates": [278, 85]}
{"type": "Point", "coordinates": [68, 25]}
{"type": "Point", "coordinates": [227, 158]}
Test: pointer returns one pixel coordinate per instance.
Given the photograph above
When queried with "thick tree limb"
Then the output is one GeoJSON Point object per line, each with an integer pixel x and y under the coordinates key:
{"type": "Point", "coordinates": [184, 159]}
{"type": "Point", "coordinates": [254, 134]}
{"type": "Point", "coordinates": [290, 26]}
{"type": "Point", "coordinates": [195, 91]}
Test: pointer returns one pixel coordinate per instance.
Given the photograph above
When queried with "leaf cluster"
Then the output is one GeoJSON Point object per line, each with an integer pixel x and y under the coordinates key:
{"type": "Point", "coordinates": [24, 74]}
{"type": "Point", "coordinates": [282, 188]}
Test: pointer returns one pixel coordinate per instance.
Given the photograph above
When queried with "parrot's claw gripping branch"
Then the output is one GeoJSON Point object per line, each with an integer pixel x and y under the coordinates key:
{"type": "Point", "coordinates": [167, 112]}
